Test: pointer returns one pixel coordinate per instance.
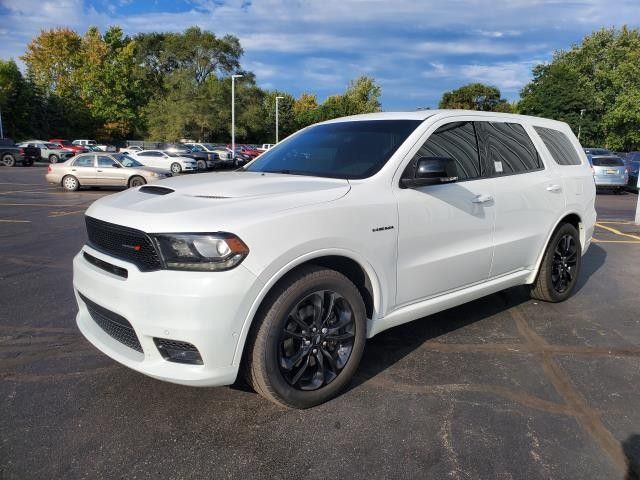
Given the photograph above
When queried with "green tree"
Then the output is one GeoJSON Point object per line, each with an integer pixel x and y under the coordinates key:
{"type": "Point", "coordinates": [600, 75]}
{"type": "Point", "coordinates": [475, 96]}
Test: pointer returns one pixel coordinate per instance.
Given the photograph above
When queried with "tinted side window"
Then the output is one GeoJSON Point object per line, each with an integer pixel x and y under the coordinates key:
{"type": "Point", "coordinates": [559, 146]}
{"type": "Point", "coordinates": [454, 140]}
{"type": "Point", "coordinates": [505, 148]}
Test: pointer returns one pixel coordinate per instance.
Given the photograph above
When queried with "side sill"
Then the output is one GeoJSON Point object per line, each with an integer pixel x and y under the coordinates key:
{"type": "Point", "coordinates": [430, 306]}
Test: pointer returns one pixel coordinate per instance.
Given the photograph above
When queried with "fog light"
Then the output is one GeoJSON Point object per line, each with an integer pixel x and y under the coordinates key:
{"type": "Point", "coordinates": [178, 352]}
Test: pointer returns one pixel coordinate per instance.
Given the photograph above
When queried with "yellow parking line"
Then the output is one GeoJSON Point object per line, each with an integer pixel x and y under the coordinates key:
{"type": "Point", "coordinates": [615, 241]}
{"type": "Point", "coordinates": [15, 221]}
{"type": "Point", "coordinates": [618, 232]}
{"type": "Point", "coordinates": [62, 214]}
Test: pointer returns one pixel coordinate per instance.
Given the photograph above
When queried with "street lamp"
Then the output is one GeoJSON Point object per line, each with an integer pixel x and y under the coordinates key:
{"type": "Point", "coordinates": [233, 115]}
{"type": "Point", "coordinates": [582, 110]}
{"type": "Point", "coordinates": [277, 98]}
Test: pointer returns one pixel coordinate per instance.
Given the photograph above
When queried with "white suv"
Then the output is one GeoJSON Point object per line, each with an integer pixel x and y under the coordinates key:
{"type": "Point", "coordinates": [282, 270]}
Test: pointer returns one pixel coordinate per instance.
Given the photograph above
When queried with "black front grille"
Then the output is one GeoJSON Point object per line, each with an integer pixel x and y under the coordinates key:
{"type": "Point", "coordinates": [114, 325]}
{"type": "Point", "coordinates": [124, 243]}
{"type": "Point", "coordinates": [121, 272]}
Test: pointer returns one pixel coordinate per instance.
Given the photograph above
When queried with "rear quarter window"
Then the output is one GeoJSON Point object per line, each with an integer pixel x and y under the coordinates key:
{"type": "Point", "coordinates": [506, 149]}
{"type": "Point", "coordinates": [559, 146]}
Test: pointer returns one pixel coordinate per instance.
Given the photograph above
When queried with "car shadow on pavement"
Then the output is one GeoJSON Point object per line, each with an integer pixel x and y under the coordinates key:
{"type": "Point", "coordinates": [391, 346]}
{"type": "Point", "coordinates": [591, 263]}
{"type": "Point", "coordinates": [631, 448]}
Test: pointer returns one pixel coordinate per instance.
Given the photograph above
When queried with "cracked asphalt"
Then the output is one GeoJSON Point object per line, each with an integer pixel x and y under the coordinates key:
{"type": "Point", "coordinates": [504, 387]}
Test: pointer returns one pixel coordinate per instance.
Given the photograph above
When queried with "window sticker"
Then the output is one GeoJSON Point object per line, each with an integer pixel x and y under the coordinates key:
{"type": "Point", "coordinates": [498, 167]}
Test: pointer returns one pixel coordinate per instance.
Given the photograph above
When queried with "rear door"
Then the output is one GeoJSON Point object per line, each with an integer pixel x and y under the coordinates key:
{"type": "Point", "coordinates": [84, 169]}
{"type": "Point", "coordinates": [528, 194]}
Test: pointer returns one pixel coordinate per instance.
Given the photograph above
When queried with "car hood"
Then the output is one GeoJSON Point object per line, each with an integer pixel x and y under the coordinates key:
{"type": "Point", "coordinates": [219, 201]}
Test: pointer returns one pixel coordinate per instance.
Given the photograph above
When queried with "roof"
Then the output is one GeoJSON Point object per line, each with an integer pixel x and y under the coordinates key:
{"type": "Point", "coordinates": [443, 113]}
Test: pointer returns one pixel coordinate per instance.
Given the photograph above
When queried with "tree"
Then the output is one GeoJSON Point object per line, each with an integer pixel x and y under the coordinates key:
{"type": "Point", "coordinates": [52, 57]}
{"type": "Point", "coordinates": [15, 100]}
{"type": "Point", "coordinates": [600, 75]}
{"type": "Point", "coordinates": [475, 96]}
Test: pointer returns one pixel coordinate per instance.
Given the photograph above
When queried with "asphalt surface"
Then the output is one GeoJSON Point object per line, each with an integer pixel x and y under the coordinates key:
{"type": "Point", "coordinates": [503, 387]}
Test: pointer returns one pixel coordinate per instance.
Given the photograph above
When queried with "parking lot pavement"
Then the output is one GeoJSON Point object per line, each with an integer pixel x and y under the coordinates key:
{"type": "Point", "coordinates": [503, 387]}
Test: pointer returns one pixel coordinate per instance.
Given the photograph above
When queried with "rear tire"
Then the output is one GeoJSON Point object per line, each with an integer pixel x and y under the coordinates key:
{"type": "Point", "coordinates": [307, 339]}
{"type": "Point", "coordinates": [70, 183]}
{"type": "Point", "coordinates": [136, 181]}
{"type": "Point", "coordinates": [560, 266]}
{"type": "Point", "coordinates": [53, 158]}
{"type": "Point", "coordinates": [8, 160]}
{"type": "Point", "coordinates": [176, 168]}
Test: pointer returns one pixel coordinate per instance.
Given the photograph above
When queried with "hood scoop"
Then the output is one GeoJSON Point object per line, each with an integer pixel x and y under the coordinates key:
{"type": "Point", "coordinates": [214, 197]}
{"type": "Point", "coordinates": [155, 190]}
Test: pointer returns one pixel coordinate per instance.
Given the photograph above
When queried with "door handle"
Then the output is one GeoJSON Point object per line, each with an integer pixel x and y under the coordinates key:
{"type": "Point", "coordinates": [99, 170]}
{"type": "Point", "coordinates": [482, 199]}
{"type": "Point", "coordinates": [554, 188]}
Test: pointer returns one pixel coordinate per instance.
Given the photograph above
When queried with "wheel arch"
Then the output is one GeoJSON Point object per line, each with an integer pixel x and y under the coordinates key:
{"type": "Point", "coordinates": [356, 269]}
{"type": "Point", "coordinates": [572, 218]}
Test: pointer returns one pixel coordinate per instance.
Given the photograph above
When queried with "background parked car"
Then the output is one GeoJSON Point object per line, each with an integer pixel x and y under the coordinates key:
{"type": "Point", "coordinates": [133, 149]}
{"type": "Point", "coordinates": [633, 164]}
{"type": "Point", "coordinates": [103, 147]}
{"type": "Point", "coordinates": [10, 154]}
{"type": "Point", "coordinates": [609, 170]}
{"type": "Point", "coordinates": [205, 160]}
{"type": "Point", "coordinates": [171, 161]}
{"type": "Point", "coordinates": [49, 151]}
{"type": "Point", "coordinates": [68, 145]}
{"type": "Point", "coordinates": [102, 169]}
{"type": "Point", "coordinates": [265, 147]}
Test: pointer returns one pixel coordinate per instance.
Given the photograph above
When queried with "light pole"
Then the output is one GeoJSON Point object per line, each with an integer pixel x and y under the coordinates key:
{"type": "Point", "coordinates": [233, 115]}
{"type": "Point", "coordinates": [1, 130]}
{"type": "Point", "coordinates": [277, 99]}
{"type": "Point", "coordinates": [582, 110]}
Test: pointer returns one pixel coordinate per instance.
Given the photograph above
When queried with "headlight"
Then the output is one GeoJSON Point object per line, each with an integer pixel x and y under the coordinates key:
{"type": "Point", "coordinates": [201, 251]}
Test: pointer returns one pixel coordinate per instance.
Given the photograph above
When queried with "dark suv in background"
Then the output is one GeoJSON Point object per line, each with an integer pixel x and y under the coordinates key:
{"type": "Point", "coordinates": [10, 154]}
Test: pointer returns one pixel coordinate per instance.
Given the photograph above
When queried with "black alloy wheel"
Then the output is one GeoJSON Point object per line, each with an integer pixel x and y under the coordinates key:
{"type": "Point", "coordinates": [317, 340]}
{"type": "Point", "coordinates": [560, 266]}
{"type": "Point", "coordinates": [565, 260]}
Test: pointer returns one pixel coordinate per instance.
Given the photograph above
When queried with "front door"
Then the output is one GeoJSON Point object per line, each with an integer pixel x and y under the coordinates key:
{"type": "Point", "coordinates": [109, 173]}
{"type": "Point", "coordinates": [445, 238]}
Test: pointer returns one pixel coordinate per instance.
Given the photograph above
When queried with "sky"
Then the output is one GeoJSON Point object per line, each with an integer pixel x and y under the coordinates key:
{"type": "Point", "coordinates": [416, 50]}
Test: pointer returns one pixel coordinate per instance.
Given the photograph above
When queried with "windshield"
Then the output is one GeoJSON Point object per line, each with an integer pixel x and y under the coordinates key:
{"type": "Point", "coordinates": [126, 160]}
{"type": "Point", "coordinates": [356, 149]}
{"type": "Point", "coordinates": [209, 146]}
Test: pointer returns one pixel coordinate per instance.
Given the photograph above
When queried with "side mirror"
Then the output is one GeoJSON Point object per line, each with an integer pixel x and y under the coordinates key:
{"type": "Point", "coordinates": [430, 171]}
{"type": "Point", "coordinates": [116, 165]}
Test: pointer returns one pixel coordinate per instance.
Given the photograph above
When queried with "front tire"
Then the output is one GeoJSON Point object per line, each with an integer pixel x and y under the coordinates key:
{"type": "Point", "coordinates": [308, 338]}
{"type": "Point", "coordinates": [560, 266]}
{"type": "Point", "coordinates": [53, 158]}
{"type": "Point", "coordinates": [8, 160]}
{"type": "Point", "coordinates": [176, 168]}
{"type": "Point", "coordinates": [70, 183]}
{"type": "Point", "coordinates": [136, 181]}
{"type": "Point", "coordinates": [202, 165]}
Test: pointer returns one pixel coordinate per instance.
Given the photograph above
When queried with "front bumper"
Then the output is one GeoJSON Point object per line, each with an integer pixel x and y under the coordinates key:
{"type": "Point", "coordinates": [204, 309]}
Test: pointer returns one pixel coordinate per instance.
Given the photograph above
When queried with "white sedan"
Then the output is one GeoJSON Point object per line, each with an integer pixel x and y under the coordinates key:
{"type": "Point", "coordinates": [168, 160]}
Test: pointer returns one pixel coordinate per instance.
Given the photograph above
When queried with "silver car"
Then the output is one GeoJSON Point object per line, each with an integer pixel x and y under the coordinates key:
{"type": "Point", "coordinates": [609, 170]}
{"type": "Point", "coordinates": [49, 151]}
{"type": "Point", "coordinates": [96, 169]}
